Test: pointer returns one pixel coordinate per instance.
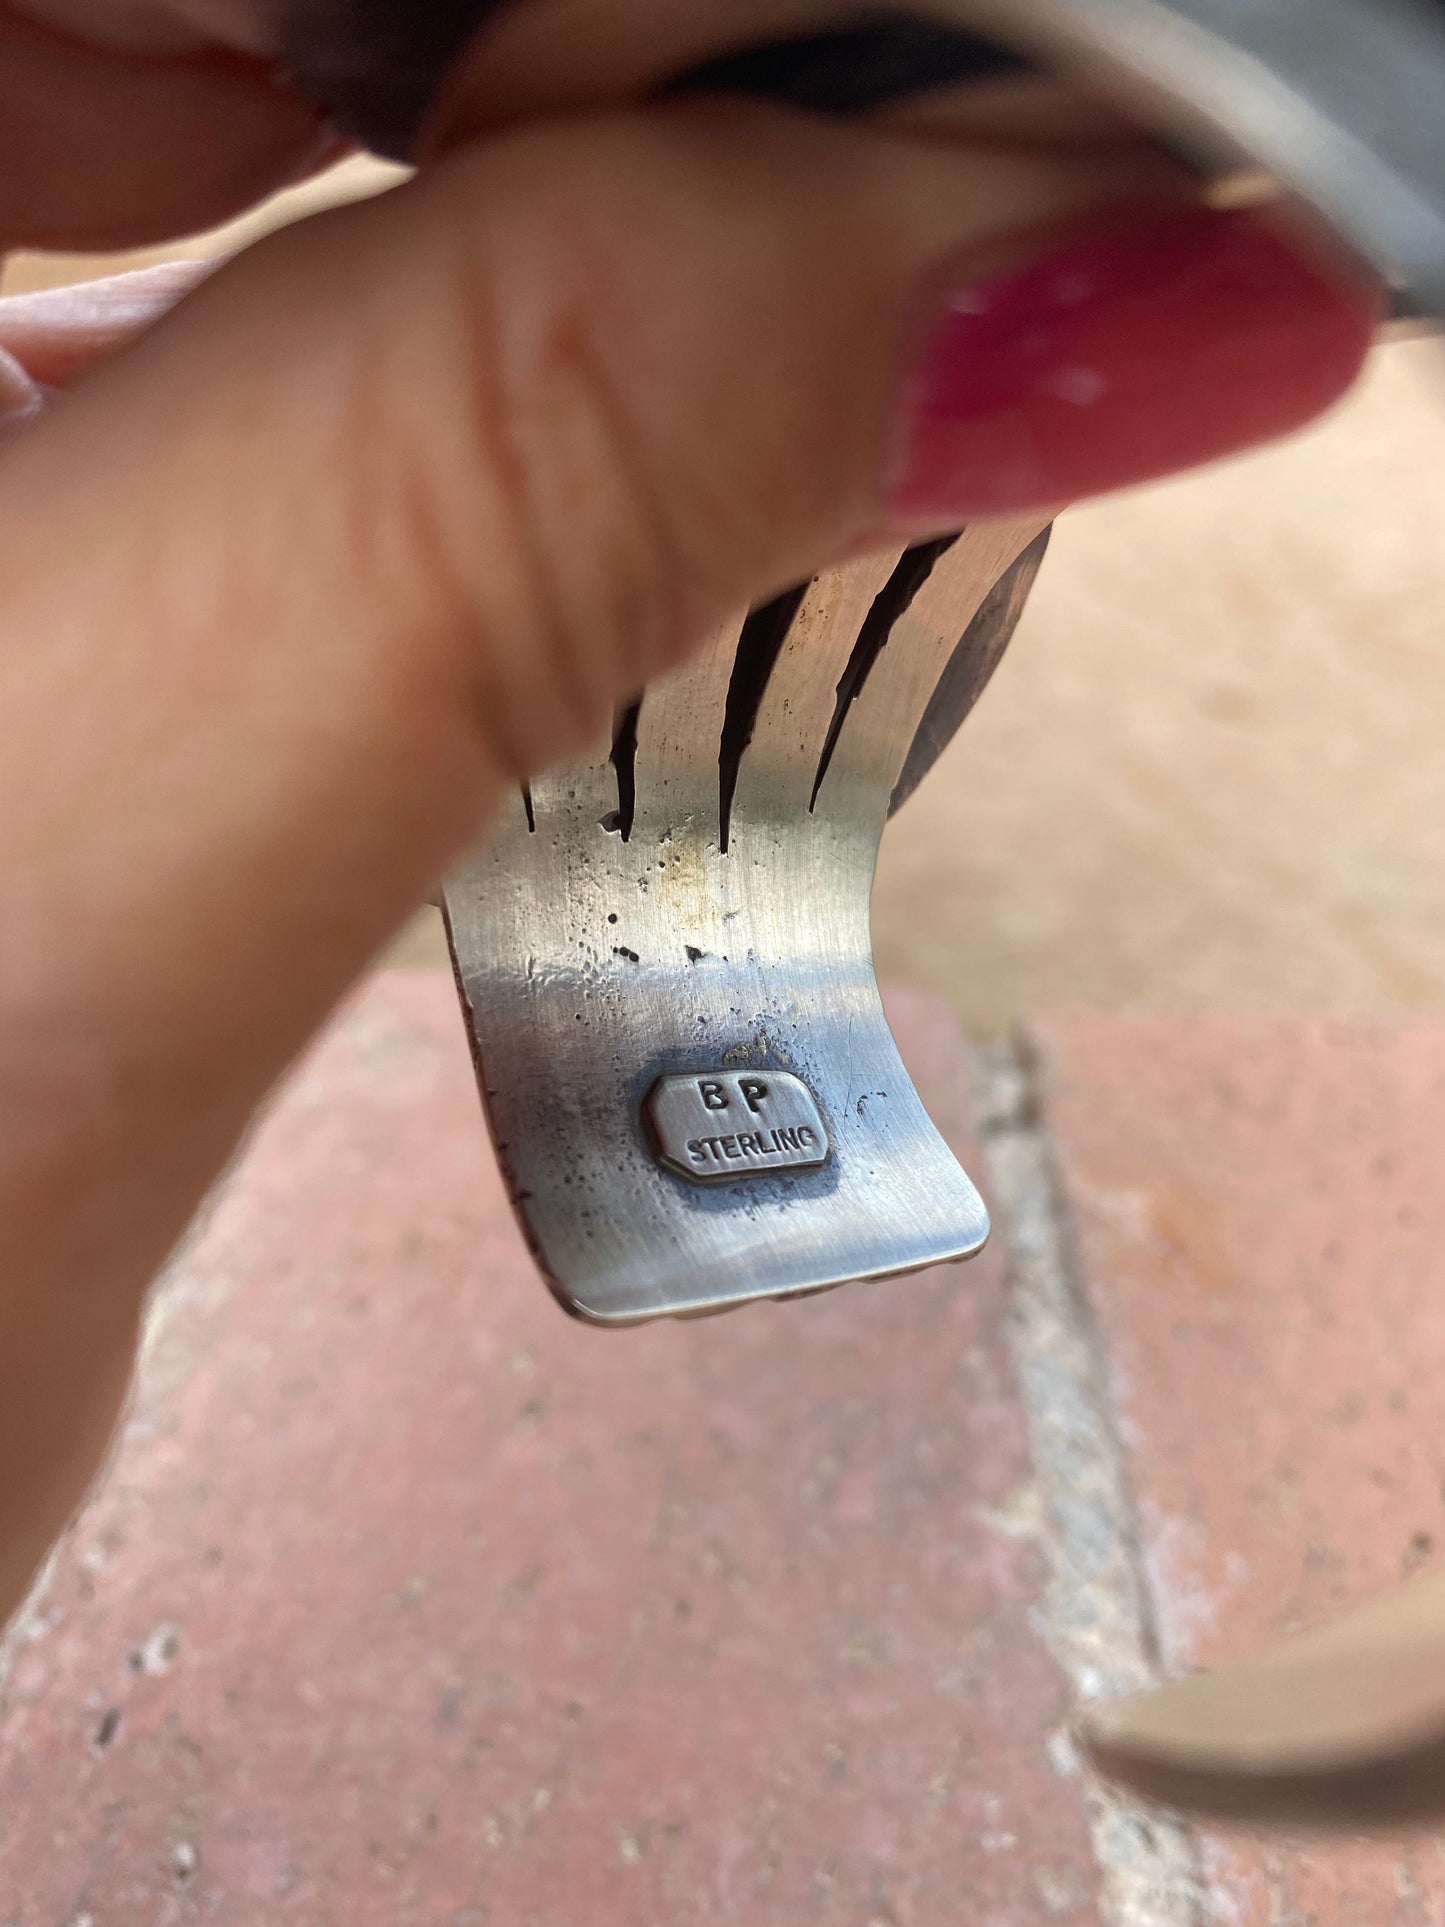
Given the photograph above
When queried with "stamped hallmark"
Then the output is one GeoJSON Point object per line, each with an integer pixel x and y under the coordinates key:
{"type": "Point", "coordinates": [713, 1126]}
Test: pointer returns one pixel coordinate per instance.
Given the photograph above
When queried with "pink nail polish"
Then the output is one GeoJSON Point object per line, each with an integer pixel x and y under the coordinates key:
{"type": "Point", "coordinates": [1157, 341]}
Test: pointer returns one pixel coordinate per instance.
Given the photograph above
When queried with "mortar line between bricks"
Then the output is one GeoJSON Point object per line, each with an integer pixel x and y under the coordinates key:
{"type": "Point", "coordinates": [1097, 1620]}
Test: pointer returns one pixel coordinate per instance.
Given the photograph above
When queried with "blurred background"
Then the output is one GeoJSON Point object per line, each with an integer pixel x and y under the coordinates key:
{"type": "Point", "coordinates": [1211, 769]}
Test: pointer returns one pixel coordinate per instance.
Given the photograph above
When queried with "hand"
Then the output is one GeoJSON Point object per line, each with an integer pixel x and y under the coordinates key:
{"type": "Point", "coordinates": [389, 511]}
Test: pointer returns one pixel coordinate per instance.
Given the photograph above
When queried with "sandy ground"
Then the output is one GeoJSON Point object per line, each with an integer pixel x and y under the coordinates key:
{"type": "Point", "coordinates": [1212, 767]}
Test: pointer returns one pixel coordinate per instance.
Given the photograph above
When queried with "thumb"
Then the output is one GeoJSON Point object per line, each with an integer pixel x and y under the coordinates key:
{"type": "Point", "coordinates": [392, 510]}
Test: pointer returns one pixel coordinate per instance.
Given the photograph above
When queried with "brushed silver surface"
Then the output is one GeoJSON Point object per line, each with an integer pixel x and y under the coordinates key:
{"type": "Point", "coordinates": [718, 1126]}
{"type": "Point", "coordinates": [591, 965]}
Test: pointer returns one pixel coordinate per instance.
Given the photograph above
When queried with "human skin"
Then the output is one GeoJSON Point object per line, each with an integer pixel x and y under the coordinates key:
{"type": "Point", "coordinates": [301, 569]}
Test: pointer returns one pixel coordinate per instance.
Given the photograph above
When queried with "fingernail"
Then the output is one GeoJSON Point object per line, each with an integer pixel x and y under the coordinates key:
{"type": "Point", "coordinates": [20, 397]}
{"type": "Point", "coordinates": [1152, 343]}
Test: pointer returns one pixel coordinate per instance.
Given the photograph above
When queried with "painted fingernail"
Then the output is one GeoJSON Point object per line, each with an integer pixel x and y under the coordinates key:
{"type": "Point", "coordinates": [1149, 344]}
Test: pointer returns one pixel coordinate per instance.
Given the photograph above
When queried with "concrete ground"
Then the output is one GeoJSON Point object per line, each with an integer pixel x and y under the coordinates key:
{"type": "Point", "coordinates": [1210, 770]}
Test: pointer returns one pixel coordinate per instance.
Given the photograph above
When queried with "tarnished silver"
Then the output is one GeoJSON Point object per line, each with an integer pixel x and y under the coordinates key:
{"type": "Point", "coordinates": [692, 902]}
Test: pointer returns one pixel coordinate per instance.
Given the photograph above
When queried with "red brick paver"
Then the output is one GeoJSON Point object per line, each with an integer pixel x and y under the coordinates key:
{"type": "Point", "coordinates": [1261, 1230]}
{"type": "Point", "coordinates": [405, 1600]}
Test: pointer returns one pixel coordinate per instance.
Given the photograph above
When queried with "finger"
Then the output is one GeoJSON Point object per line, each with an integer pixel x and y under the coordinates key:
{"type": "Point", "coordinates": [102, 148]}
{"type": "Point", "coordinates": [58, 335]}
